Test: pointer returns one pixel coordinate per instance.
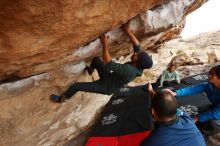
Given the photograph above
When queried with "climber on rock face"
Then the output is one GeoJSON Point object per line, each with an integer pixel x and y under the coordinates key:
{"type": "Point", "coordinates": [113, 76]}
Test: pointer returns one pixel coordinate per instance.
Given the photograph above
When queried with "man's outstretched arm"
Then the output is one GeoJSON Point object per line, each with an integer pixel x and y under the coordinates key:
{"type": "Point", "coordinates": [130, 34]}
{"type": "Point", "coordinates": [150, 90]}
{"type": "Point", "coordinates": [105, 54]}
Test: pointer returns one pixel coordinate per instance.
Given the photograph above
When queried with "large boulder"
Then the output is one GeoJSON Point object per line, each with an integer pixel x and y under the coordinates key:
{"type": "Point", "coordinates": [56, 38]}
{"type": "Point", "coordinates": [38, 36]}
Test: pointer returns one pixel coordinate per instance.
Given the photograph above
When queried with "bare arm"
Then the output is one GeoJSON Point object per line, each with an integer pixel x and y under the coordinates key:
{"type": "Point", "coordinates": [150, 90]}
{"type": "Point", "coordinates": [105, 54]}
{"type": "Point", "coordinates": [130, 34]}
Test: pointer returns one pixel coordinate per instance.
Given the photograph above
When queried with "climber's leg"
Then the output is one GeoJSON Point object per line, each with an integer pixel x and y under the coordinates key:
{"type": "Point", "coordinates": [99, 65]}
{"type": "Point", "coordinates": [95, 87]}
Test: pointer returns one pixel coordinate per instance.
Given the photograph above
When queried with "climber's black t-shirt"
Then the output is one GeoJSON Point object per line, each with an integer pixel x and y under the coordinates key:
{"type": "Point", "coordinates": [119, 75]}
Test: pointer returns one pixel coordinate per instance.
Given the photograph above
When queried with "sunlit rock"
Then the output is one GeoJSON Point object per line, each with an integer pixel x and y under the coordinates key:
{"type": "Point", "coordinates": [39, 36]}
{"type": "Point", "coordinates": [54, 41]}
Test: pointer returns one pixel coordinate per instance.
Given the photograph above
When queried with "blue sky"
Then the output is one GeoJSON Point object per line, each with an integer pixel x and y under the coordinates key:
{"type": "Point", "coordinates": [204, 19]}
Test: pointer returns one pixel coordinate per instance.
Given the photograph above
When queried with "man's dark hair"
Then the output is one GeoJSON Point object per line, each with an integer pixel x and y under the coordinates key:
{"type": "Point", "coordinates": [164, 104]}
{"type": "Point", "coordinates": [216, 70]}
{"type": "Point", "coordinates": [144, 61]}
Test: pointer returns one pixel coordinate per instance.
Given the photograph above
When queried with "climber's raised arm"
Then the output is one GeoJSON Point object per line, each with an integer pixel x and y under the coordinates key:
{"type": "Point", "coordinates": [131, 35]}
{"type": "Point", "coordinates": [105, 54]}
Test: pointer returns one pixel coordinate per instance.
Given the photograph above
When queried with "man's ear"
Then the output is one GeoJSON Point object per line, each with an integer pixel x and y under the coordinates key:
{"type": "Point", "coordinates": [152, 111]}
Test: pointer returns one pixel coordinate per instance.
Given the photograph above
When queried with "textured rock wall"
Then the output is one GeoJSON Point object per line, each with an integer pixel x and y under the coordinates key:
{"type": "Point", "coordinates": [41, 36]}
{"type": "Point", "coordinates": [28, 117]}
{"type": "Point", "coordinates": [38, 36]}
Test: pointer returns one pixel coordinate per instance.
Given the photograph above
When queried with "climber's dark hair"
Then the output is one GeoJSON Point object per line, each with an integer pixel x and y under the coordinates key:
{"type": "Point", "coordinates": [215, 70]}
{"type": "Point", "coordinates": [144, 61]}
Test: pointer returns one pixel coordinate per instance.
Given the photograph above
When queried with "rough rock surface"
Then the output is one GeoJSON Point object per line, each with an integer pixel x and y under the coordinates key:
{"type": "Point", "coordinates": [38, 36]}
{"type": "Point", "coordinates": [183, 59]}
{"type": "Point", "coordinates": [28, 117]}
{"type": "Point", "coordinates": [44, 37]}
